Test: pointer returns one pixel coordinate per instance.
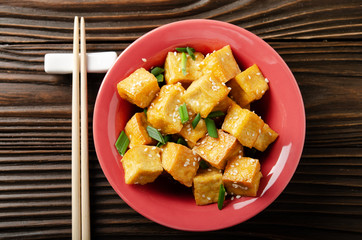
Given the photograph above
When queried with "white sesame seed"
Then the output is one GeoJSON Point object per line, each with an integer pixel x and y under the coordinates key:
{"type": "Point", "coordinates": [208, 198]}
{"type": "Point", "coordinates": [203, 195]}
{"type": "Point", "coordinates": [238, 196]}
{"type": "Point", "coordinates": [249, 77]}
{"type": "Point", "coordinates": [266, 80]}
{"type": "Point", "coordinates": [153, 148]}
{"type": "Point", "coordinates": [150, 155]}
{"type": "Point", "coordinates": [209, 169]}
{"type": "Point", "coordinates": [144, 59]}
{"type": "Point", "coordinates": [146, 149]}
{"type": "Point", "coordinates": [232, 198]}
{"type": "Point", "coordinates": [258, 73]}
{"type": "Point", "coordinates": [202, 152]}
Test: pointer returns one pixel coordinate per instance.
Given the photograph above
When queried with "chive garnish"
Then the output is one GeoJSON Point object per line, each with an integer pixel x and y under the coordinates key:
{"type": "Point", "coordinates": [184, 115]}
{"type": "Point", "coordinates": [216, 114]}
{"type": "Point", "coordinates": [183, 63]}
{"type": "Point", "coordinates": [157, 71]}
{"type": "Point", "coordinates": [196, 120]}
{"type": "Point", "coordinates": [122, 143]}
{"type": "Point", "coordinates": [184, 49]}
{"type": "Point", "coordinates": [190, 52]}
{"type": "Point", "coordinates": [145, 111]}
{"type": "Point", "coordinates": [181, 141]}
{"type": "Point", "coordinates": [211, 128]}
{"type": "Point", "coordinates": [204, 164]}
{"type": "Point", "coordinates": [155, 134]}
{"type": "Point", "coordinates": [221, 199]}
{"type": "Point", "coordinates": [159, 78]}
{"type": "Point", "coordinates": [167, 138]}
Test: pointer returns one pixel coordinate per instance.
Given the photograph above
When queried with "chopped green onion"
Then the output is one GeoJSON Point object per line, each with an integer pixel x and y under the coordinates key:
{"type": "Point", "coordinates": [221, 199]}
{"type": "Point", "coordinates": [196, 120]}
{"type": "Point", "coordinates": [181, 141]}
{"type": "Point", "coordinates": [167, 138]}
{"type": "Point", "coordinates": [183, 63]}
{"type": "Point", "coordinates": [159, 78]}
{"type": "Point", "coordinates": [184, 115]}
{"type": "Point", "coordinates": [122, 143]}
{"type": "Point", "coordinates": [145, 111]}
{"type": "Point", "coordinates": [157, 71]}
{"type": "Point", "coordinates": [204, 164]}
{"type": "Point", "coordinates": [190, 52]}
{"type": "Point", "coordinates": [155, 134]}
{"type": "Point", "coordinates": [184, 49]}
{"type": "Point", "coordinates": [211, 128]}
{"type": "Point", "coordinates": [216, 114]}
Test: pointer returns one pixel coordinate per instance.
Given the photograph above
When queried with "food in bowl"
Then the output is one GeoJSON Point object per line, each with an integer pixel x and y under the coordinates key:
{"type": "Point", "coordinates": [196, 126]}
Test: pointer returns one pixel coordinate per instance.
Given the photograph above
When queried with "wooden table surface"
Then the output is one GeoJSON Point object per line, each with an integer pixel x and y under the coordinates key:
{"type": "Point", "coordinates": [319, 40]}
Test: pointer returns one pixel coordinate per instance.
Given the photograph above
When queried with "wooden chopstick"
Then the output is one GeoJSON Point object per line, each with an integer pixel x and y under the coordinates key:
{"type": "Point", "coordinates": [76, 207]}
{"type": "Point", "coordinates": [84, 136]}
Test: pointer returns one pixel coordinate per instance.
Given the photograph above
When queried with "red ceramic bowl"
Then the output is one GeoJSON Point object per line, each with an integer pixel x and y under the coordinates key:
{"type": "Point", "coordinates": [282, 108]}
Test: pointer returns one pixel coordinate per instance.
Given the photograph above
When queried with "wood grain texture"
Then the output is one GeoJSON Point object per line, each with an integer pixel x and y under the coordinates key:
{"type": "Point", "coordinates": [319, 40]}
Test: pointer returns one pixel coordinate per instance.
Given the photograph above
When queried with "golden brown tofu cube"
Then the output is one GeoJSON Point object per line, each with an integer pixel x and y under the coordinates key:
{"type": "Point", "coordinates": [192, 135]}
{"type": "Point", "coordinates": [243, 124]}
{"type": "Point", "coordinates": [223, 105]}
{"type": "Point", "coordinates": [204, 94]}
{"type": "Point", "coordinates": [139, 88]}
{"type": "Point", "coordinates": [206, 186]}
{"type": "Point", "coordinates": [222, 64]}
{"type": "Point", "coordinates": [173, 72]}
{"type": "Point", "coordinates": [252, 82]}
{"type": "Point", "coordinates": [163, 112]}
{"type": "Point", "coordinates": [266, 137]}
{"type": "Point", "coordinates": [242, 176]}
{"type": "Point", "coordinates": [180, 162]}
{"type": "Point", "coordinates": [142, 164]}
{"type": "Point", "coordinates": [216, 151]}
{"type": "Point", "coordinates": [136, 130]}
{"type": "Point", "coordinates": [238, 94]}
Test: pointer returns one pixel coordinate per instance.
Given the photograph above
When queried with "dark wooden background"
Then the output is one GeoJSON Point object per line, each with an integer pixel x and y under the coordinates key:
{"type": "Point", "coordinates": [319, 40]}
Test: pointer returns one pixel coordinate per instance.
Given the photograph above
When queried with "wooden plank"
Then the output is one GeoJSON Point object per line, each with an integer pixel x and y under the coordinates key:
{"type": "Point", "coordinates": [44, 21]}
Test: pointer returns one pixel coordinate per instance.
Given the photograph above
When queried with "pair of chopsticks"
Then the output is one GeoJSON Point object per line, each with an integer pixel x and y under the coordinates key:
{"type": "Point", "coordinates": [80, 171]}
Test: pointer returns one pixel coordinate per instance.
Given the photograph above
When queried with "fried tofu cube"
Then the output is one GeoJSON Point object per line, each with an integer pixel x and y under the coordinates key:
{"type": "Point", "coordinates": [252, 82]}
{"type": "Point", "coordinates": [223, 105]}
{"type": "Point", "coordinates": [206, 186]}
{"type": "Point", "coordinates": [139, 88]}
{"type": "Point", "coordinates": [180, 162]}
{"type": "Point", "coordinates": [222, 64]}
{"type": "Point", "coordinates": [173, 72]}
{"type": "Point", "coordinates": [265, 138]}
{"type": "Point", "coordinates": [192, 135]}
{"type": "Point", "coordinates": [216, 151]}
{"type": "Point", "coordinates": [243, 124]}
{"type": "Point", "coordinates": [142, 164]}
{"type": "Point", "coordinates": [238, 94]}
{"type": "Point", "coordinates": [136, 130]}
{"type": "Point", "coordinates": [204, 94]}
{"type": "Point", "coordinates": [163, 112]}
{"type": "Point", "coordinates": [242, 176]}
